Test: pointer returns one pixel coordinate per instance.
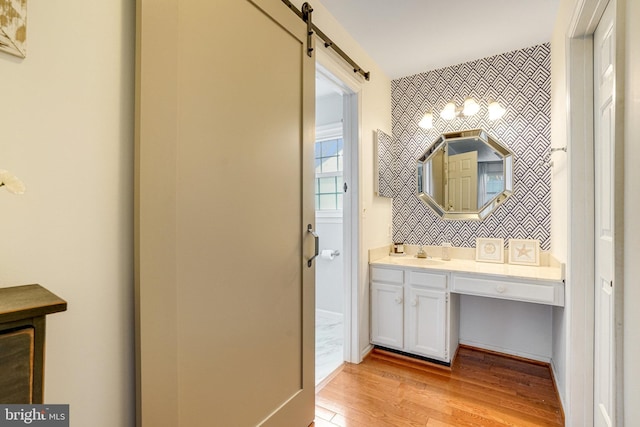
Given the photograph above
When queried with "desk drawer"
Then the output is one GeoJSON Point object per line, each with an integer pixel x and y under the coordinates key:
{"type": "Point", "coordinates": [543, 293]}
{"type": "Point", "coordinates": [16, 366]}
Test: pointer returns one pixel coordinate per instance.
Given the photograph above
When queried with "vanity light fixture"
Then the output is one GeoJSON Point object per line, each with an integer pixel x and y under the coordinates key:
{"type": "Point", "coordinates": [427, 120]}
{"type": "Point", "coordinates": [449, 112]}
{"type": "Point", "coordinates": [495, 110]}
{"type": "Point", "coordinates": [470, 107]}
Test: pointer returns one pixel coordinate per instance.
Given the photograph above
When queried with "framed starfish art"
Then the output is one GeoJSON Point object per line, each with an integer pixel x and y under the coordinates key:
{"type": "Point", "coordinates": [524, 251]}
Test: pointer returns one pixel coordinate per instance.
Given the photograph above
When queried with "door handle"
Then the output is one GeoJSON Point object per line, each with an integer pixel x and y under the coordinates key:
{"type": "Point", "coordinates": [316, 238]}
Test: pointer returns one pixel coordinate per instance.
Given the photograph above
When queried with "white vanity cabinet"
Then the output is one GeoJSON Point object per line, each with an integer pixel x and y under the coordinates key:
{"type": "Point", "coordinates": [411, 312]}
{"type": "Point", "coordinates": [427, 307]}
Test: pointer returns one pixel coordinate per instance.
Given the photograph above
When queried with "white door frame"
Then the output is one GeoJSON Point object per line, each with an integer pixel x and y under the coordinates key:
{"type": "Point", "coordinates": [334, 70]}
{"type": "Point", "coordinates": [581, 310]}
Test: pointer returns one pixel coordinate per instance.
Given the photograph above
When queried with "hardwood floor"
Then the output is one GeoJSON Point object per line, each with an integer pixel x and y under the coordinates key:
{"type": "Point", "coordinates": [480, 389]}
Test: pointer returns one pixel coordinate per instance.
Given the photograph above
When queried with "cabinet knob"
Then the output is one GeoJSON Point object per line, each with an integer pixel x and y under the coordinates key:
{"type": "Point", "coordinates": [414, 302]}
{"type": "Point", "coordinates": [398, 300]}
{"type": "Point", "coordinates": [501, 288]}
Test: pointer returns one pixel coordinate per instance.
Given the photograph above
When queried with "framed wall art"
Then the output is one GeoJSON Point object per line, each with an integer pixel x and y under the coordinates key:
{"type": "Point", "coordinates": [490, 250]}
{"type": "Point", "coordinates": [524, 251]}
{"type": "Point", "coordinates": [13, 27]}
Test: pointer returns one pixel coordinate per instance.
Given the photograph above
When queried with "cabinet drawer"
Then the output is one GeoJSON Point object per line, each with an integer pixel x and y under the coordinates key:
{"type": "Point", "coordinates": [545, 293]}
{"type": "Point", "coordinates": [436, 281]}
{"type": "Point", "coordinates": [387, 275]}
{"type": "Point", "coordinates": [16, 366]}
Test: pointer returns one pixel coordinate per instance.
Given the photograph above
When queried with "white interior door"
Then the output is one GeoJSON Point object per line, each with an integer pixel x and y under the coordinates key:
{"type": "Point", "coordinates": [225, 300]}
{"type": "Point", "coordinates": [463, 182]}
{"type": "Point", "coordinates": [604, 87]}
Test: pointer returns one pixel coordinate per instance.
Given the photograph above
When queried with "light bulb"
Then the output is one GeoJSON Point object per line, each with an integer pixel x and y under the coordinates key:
{"type": "Point", "coordinates": [470, 107]}
{"type": "Point", "coordinates": [495, 110]}
{"type": "Point", "coordinates": [427, 120]}
{"type": "Point", "coordinates": [449, 111]}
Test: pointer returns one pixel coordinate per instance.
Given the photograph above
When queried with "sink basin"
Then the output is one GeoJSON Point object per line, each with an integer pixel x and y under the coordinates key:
{"type": "Point", "coordinates": [428, 261]}
{"type": "Point", "coordinates": [412, 260]}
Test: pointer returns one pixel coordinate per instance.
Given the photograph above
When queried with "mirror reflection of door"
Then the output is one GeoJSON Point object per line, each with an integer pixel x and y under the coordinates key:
{"type": "Point", "coordinates": [435, 174]}
{"type": "Point", "coordinates": [462, 182]}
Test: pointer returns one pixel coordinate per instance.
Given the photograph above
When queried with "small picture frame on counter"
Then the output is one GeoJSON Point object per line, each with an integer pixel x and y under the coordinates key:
{"type": "Point", "coordinates": [524, 251]}
{"type": "Point", "coordinates": [397, 249]}
{"type": "Point", "coordinates": [490, 250]}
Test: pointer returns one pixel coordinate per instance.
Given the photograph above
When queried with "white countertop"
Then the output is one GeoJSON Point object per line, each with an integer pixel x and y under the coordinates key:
{"type": "Point", "coordinates": [547, 273]}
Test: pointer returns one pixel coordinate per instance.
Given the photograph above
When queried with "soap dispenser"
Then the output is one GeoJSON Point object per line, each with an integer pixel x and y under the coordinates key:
{"type": "Point", "coordinates": [446, 255]}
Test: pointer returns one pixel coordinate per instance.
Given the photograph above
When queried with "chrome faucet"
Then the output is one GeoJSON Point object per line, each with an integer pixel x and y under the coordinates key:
{"type": "Point", "coordinates": [421, 253]}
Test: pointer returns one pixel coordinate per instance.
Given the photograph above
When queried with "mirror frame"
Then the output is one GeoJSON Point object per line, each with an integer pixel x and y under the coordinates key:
{"type": "Point", "coordinates": [490, 206]}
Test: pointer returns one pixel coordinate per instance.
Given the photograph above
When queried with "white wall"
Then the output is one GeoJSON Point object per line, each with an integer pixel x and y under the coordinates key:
{"type": "Point", "coordinates": [511, 327]}
{"type": "Point", "coordinates": [375, 113]}
{"type": "Point", "coordinates": [559, 198]}
{"type": "Point", "coordinates": [328, 109]}
{"type": "Point", "coordinates": [66, 113]}
{"type": "Point", "coordinates": [559, 172]}
{"type": "Point", "coordinates": [559, 186]}
{"type": "Point", "coordinates": [329, 272]}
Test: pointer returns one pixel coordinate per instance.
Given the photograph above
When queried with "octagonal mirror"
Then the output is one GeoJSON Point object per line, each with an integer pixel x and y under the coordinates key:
{"type": "Point", "coordinates": [465, 175]}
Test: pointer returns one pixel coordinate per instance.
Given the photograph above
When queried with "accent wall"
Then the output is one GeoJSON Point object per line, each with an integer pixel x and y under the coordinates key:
{"type": "Point", "coordinates": [520, 81]}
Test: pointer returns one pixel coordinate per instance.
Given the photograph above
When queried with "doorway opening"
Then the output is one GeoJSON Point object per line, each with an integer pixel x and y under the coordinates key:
{"type": "Point", "coordinates": [334, 153]}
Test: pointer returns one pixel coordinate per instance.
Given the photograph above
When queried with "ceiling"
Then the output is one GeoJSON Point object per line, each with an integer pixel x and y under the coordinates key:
{"type": "Point", "coordinates": [406, 37]}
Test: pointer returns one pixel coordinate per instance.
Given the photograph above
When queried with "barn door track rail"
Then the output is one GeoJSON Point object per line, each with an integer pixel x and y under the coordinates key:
{"type": "Point", "coordinates": [305, 14]}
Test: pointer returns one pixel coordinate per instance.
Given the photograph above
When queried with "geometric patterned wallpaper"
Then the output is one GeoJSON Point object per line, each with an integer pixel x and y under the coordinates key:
{"type": "Point", "coordinates": [520, 81]}
{"type": "Point", "coordinates": [386, 164]}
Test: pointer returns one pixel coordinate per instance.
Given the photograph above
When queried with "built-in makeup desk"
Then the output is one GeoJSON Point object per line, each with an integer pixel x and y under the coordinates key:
{"type": "Point", "coordinates": [415, 301]}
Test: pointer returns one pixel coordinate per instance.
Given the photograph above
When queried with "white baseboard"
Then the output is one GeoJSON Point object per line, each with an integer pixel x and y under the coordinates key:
{"type": "Point", "coordinates": [364, 352]}
{"type": "Point", "coordinates": [555, 382]}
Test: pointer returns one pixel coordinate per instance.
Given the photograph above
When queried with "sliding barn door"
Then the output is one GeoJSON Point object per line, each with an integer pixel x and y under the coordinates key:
{"type": "Point", "coordinates": [225, 300]}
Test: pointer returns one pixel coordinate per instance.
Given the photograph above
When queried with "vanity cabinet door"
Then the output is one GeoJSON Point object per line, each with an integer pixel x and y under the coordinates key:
{"type": "Point", "coordinates": [387, 314]}
{"type": "Point", "coordinates": [427, 322]}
